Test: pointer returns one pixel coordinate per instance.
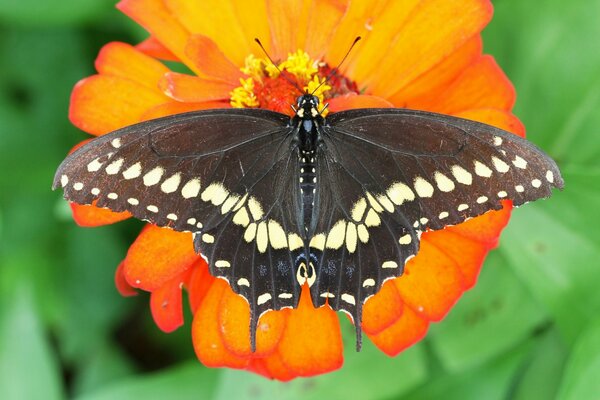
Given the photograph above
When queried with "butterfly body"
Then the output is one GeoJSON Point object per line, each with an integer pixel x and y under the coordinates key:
{"type": "Point", "coordinates": [336, 203]}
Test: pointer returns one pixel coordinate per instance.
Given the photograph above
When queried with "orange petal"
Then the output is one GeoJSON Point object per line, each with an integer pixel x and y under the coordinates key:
{"type": "Point", "coordinates": [357, 21]}
{"type": "Point", "coordinates": [124, 288]}
{"type": "Point", "coordinates": [431, 283]}
{"type": "Point", "coordinates": [252, 20]}
{"type": "Point", "coordinates": [234, 320]}
{"type": "Point", "coordinates": [157, 256]}
{"type": "Point", "coordinates": [176, 107]}
{"type": "Point", "coordinates": [166, 305]}
{"type": "Point", "coordinates": [421, 93]}
{"type": "Point", "coordinates": [154, 16]}
{"type": "Point", "coordinates": [382, 310]}
{"type": "Point", "coordinates": [325, 15]}
{"type": "Point", "coordinates": [482, 85]}
{"type": "Point", "coordinates": [125, 61]}
{"type": "Point", "coordinates": [408, 330]}
{"type": "Point", "coordinates": [311, 343]}
{"type": "Point", "coordinates": [436, 29]}
{"type": "Point", "coordinates": [154, 48]}
{"type": "Point", "coordinates": [498, 118]}
{"type": "Point", "coordinates": [487, 227]}
{"type": "Point", "coordinates": [101, 104]}
{"type": "Point", "coordinates": [91, 216]}
{"type": "Point", "coordinates": [206, 332]}
{"type": "Point", "coordinates": [380, 32]}
{"type": "Point", "coordinates": [272, 367]}
{"type": "Point", "coordinates": [216, 19]}
{"type": "Point", "coordinates": [351, 101]}
{"type": "Point", "coordinates": [287, 20]}
{"type": "Point", "coordinates": [189, 88]}
{"type": "Point", "coordinates": [198, 284]}
{"type": "Point", "coordinates": [468, 254]}
{"type": "Point", "coordinates": [211, 61]}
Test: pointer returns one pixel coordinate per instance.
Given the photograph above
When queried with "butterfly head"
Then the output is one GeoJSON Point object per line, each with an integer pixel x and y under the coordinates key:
{"type": "Point", "coordinates": [307, 106]}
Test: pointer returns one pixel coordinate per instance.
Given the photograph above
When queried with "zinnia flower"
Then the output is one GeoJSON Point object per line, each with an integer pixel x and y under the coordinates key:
{"type": "Point", "coordinates": [421, 54]}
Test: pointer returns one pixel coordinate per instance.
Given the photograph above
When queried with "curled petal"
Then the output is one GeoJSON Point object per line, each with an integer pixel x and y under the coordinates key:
{"type": "Point", "coordinates": [157, 256]}
{"type": "Point", "coordinates": [382, 310]}
{"type": "Point", "coordinates": [211, 61]}
{"type": "Point", "coordinates": [124, 288]}
{"type": "Point", "coordinates": [234, 314]}
{"type": "Point", "coordinates": [127, 62]}
{"type": "Point", "coordinates": [431, 284]}
{"type": "Point", "coordinates": [206, 331]}
{"type": "Point", "coordinates": [272, 367]}
{"type": "Point", "coordinates": [189, 88]}
{"type": "Point", "coordinates": [405, 332]}
{"type": "Point", "coordinates": [101, 104]}
{"type": "Point", "coordinates": [154, 48]}
{"type": "Point", "coordinates": [167, 306]}
{"type": "Point", "coordinates": [91, 216]}
{"type": "Point", "coordinates": [198, 284]}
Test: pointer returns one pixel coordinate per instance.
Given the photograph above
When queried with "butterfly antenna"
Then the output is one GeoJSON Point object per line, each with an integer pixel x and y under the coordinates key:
{"type": "Point", "coordinates": [291, 82]}
{"type": "Point", "coordinates": [336, 69]}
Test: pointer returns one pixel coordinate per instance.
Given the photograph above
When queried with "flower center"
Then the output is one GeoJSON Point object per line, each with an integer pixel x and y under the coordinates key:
{"type": "Point", "coordinates": [266, 87]}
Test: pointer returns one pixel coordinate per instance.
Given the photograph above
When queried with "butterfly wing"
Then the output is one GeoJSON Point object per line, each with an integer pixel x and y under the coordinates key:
{"type": "Point", "coordinates": [225, 175]}
{"type": "Point", "coordinates": [391, 174]}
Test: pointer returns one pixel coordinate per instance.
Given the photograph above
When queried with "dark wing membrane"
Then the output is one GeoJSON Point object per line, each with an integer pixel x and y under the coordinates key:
{"type": "Point", "coordinates": [401, 172]}
{"type": "Point", "coordinates": [224, 175]}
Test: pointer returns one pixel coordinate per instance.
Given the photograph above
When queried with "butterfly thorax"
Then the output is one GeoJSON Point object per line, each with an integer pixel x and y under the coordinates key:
{"type": "Point", "coordinates": [308, 121]}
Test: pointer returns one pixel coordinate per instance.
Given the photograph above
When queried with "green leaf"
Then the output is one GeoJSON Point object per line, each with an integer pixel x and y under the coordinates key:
{"type": "Point", "coordinates": [186, 381]}
{"type": "Point", "coordinates": [549, 53]}
{"type": "Point", "coordinates": [556, 263]}
{"type": "Point", "coordinates": [490, 319]}
{"type": "Point", "coordinates": [28, 369]}
{"type": "Point", "coordinates": [368, 375]}
{"type": "Point", "coordinates": [104, 366]}
{"type": "Point", "coordinates": [583, 368]}
{"type": "Point", "coordinates": [49, 12]}
{"type": "Point", "coordinates": [491, 381]}
{"type": "Point", "coordinates": [540, 377]}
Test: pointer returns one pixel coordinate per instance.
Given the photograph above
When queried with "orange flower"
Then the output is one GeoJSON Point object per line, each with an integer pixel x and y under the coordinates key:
{"type": "Point", "coordinates": [422, 54]}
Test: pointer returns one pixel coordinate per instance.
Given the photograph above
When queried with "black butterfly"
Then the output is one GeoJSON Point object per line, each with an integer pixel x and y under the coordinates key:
{"type": "Point", "coordinates": [338, 203]}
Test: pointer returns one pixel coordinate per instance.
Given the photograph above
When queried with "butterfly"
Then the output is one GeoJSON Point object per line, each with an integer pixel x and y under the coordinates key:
{"type": "Point", "coordinates": [336, 203]}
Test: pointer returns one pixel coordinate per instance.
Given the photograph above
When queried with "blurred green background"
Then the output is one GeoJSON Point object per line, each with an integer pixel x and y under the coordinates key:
{"type": "Point", "coordinates": [529, 330]}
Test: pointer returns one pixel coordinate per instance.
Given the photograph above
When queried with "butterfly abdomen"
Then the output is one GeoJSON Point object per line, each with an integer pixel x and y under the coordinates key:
{"type": "Point", "coordinates": [308, 183]}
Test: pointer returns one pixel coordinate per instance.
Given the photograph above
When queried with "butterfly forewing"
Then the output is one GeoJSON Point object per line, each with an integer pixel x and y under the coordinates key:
{"type": "Point", "coordinates": [227, 176]}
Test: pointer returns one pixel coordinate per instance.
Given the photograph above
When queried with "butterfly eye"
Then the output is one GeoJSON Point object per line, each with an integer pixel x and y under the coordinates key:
{"type": "Point", "coordinates": [299, 101]}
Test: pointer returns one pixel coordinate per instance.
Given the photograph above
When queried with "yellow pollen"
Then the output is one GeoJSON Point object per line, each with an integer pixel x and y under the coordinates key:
{"type": "Point", "coordinates": [253, 67]}
{"type": "Point", "coordinates": [243, 96]}
{"type": "Point", "coordinates": [298, 64]}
